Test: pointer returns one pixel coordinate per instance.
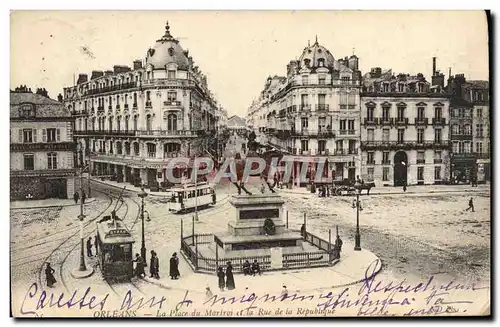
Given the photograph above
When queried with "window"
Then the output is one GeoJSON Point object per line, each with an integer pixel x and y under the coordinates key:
{"type": "Point", "coordinates": [438, 112]}
{"type": "Point", "coordinates": [172, 96]}
{"type": "Point", "coordinates": [401, 87]}
{"type": "Point", "coordinates": [111, 146]}
{"type": "Point", "coordinates": [135, 123]}
{"type": "Point", "coordinates": [304, 122]}
{"type": "Point", "coordinates": [385, 174]}
{"type": "Point", "coordinates": [420, 157]}
{"type": "Point", "coordinates": [118, 147]}
{"type": "Point", "coordinates": [135, 99]}
{"type": "Point", "coordinates": [479, 112]}
{"type": "Point", "coordinates": [51, 160]}
{"type": "Point", "coordinates": [350, 124]}
{"type": "Point", "coordinates": [148, 95]}
{"type": "Point", "coordinates": [420, 173]}
{"type": "Point", "coordinates": [467, 147]}
{"type": "Point", "coordinates": [342, 124]}
{"type": "Point", "coordinates": [148, 122]}
{"type": "Point", "coordinates": [420, 135]}
{"type": "Point", "coordinates": [385, 114]}
{"type": "Point", "coordinates": [136, 148]}
{"type": "Point", "coordinates": [461, 147]}
{"type": "Point", "coordinates": [352, 147]}
{"type": "Point", "coordinates": [171, 74]}
{"type": "Point", "coordinates": [322, 100]}
{"type": "Point", "coordinates": [385, 157]}
{"type": "Point", "coordinates": [479, 147]}
{"type": "Point", "coordinates": [420, 113]}
{"type": "Point", "coordinates": [29, 162]}
{"type": "Point", "coordinates": [151, 150]}
{"type": "Point", "coordinates": [126, 123]}
{"type": "Point", "coordinates": [401, 135]}
{"type": "Point", "coordinates": [437, 173]}
{"type": "Point", "coordinates": [304, 145]}
{"type": "Point", "coordinates": [321, 80]}
{"type": "Point", "coordinates": [454, 129]}
{"type": "Point", "coordinates": [371, 135]}
{"type": "Point", "coordinates": [307, 62]}
{"type": "Point", "coordinates": [467, 130]}
{"type": "Point", "coordinates": [127, 148]}
{"type": "Point", "coordinates": [385, 134]}
{"type": "Point", "coordinates": [369, 114]}
{"type": "Point", "coordinates": [304, 98]}
{"type": "Point", "coordinates": [437, 156]}
{"type": "Point", "coordinates": [110, 122]}
{"type": "Point", "coordinates": [386, 87]}
{"type": "Point", "coordinates": [370, 158]}
{"type": "Point", "coordinates": [51, 135]}
{"type": "Point", "coordinates": [370, 171]}
{"type": "Point", "coordinates": [172, 122]}
{"type": "Point", "coordinates": [401, 113]}
{"type": "Point", "coordinates": [438, 135]}
{"type": "Point", "coordinates": [321, 145]}
{"type": "Point", "coordinates": [118, 123]}
{"type": "Point", "coordinates": [321, 62]}
{"type": "Point", "coordinates": [479, 130]}
{"type": "Point", "coordinates": [339, 145]}
{"type": "Point", "coordinates": [27, 135]}
{"type": "Point", "coordinates": [27, 110]}
{"type": "Point", "coordinates": [455, 147]}
{"type": "Point", "coordinates": [305, 80]}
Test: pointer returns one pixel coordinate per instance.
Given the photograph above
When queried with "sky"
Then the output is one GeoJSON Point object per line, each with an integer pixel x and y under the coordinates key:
{"type": "Point", "coordinates": [238, 50]}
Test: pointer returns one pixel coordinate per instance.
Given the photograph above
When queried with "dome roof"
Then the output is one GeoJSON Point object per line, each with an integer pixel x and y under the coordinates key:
{"type": "Point", "coordinates": [314, 55]}
{"type": "Point", "coordinates": [166, 51]}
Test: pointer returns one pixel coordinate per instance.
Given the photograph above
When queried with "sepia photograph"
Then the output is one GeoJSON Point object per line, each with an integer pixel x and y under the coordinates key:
{"type": "Point", "coordinates": [250, 164]}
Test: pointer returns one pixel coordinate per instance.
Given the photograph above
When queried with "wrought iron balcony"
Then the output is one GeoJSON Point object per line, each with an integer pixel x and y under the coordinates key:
{"type": "Point", "coordinates": [420, 161]}
{"type": "Point", "coordinates": [305, 107]}
{"type": "Point", "coordinates": [438, 161]}
{"type": "Point", "coordinates": [386, 162]}
{"type": "Point", "coordinates": [402, 145]}
{"type": "Point", "coordinates": [173, 103]}
{"type": "Point", "coordinates": [421, 121]}
{"type": "Point", "coordinates": [401, 121]}
{"type": "Point", "coordinates": [385, 121]}
{"type": "Point", "coordinates": [113, 88]}
{"type": "Point", "coordinates": [371, 120]}
{"type": "Point", "coordinates": [125, 106]}
{"type": "Point", "coordinates": [439, 121]}
{"type": "Point", "coordinates": [322, 107]}
{"type": "Point", "coordinates": [148, 104]}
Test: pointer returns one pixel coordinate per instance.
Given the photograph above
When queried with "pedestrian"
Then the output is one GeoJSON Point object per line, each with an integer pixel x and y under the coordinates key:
{"type": "Point", "coordinates": [89, 247]}
{"type": "Point", "coordinates": [83, 197]}
{"type": "Point", "coordinates": [471, 205]}
{"type": "Point", "coordinates": [404, 186]}
{"type": "Point", "coordinates": [246, 268]}
{"type": "Point", "coordinates": [303, 230]}
{"type": "Point", "coordinates": [174, 266]}
{"type": "Point", "coordinates": [284, 293]}
{"type": "Point", "coordinates": [49, 275]}
{"type": "Point", "coordinates": [214, 196]}
{"type": "Point", "coordinates": [262, 188]}
{"type": "Point", "coordinates": [76, 197]}
{"type": "Point", "coordinates": [256, 268]}
{"type": "Point", "coordinates": [208, 293]}
{"type": "Point", "coordinates": [139, 266]}
{"type": "Point", "coordinates": [229, 276]}
{"type": "Point", "coordinates": [221, 275]}
{"type": "Point", "coordinates": [338, 244]}
{"type": "Point", "coordinates": [96, 245]}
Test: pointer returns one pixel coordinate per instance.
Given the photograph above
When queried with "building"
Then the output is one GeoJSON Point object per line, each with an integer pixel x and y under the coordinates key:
{"type": "Point", "coordinates": [41, 147]}
{"type": "Point", "coordinates": [314, 112]}
{"type": "Point", "coordinates": [131, 122]}
{"type": "Point", "coordinates": [405, 128]}
{"type": "Point", "coordinates": [236, 124]}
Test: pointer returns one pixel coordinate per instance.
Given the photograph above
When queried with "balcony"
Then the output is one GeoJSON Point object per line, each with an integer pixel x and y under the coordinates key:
{"type": "Point", "coordinates": [134, 106]}
{"type": "Point", "coordinates": [117, 107]}
{"type": "Point", "coordinates": [420, 161]}
{"type": "Point", "coordinates": [421, 121]}
{"type": "Point", "coordinates": [172, 103]}
{"type": "Point", "coordinates": [322, 107]}
{"type": "Point", "coordinates": [438, 161]}
{"type": "Point", "coordinates": [483, 155]}
{"type": "Point", "coordinates": [151, 154]}
{"type": "Point", "coordinates": [148, 104]}
{"type": "Point", "coordinates": [351, 131]}
{"type": "Point", "coordinates": [165, 133]}
{"type": "Point", "coordinates": [351, 106]}
{"type": "Point", "coordinates": [371, 121]}
{"type": "Point", "coordinates": [304, 152]}
{"type": "Point", "coordinates": [439, 121]}
{"type": "Point", "coordinates": [386, 162]}
{"type": "Point", "coordinates": [370, 162]}
{"type": "Point", "coordinates": [113, 88]}
{"type": "Point", "coordinates": [402, 121]}
{"type": "Point", "coordinates": [402, 145]}
{"type": "Point", "coordinates": [385, 121]}
{"type": "Point", "coordinates": [125, 106]}
{"type": "Point", "coordinates": [83, 112]}
{"type": "Point", "coordinates": [325, 152]}
{"type": "Point", "coordinates": [343, 132]}
{"type": "Point", "coordinates": [460, 137]}
{"type": "Point", "coordinates": [106, 133]}
{"type": "Point", "coordinates": [110, 107]}
{"type": "Point", "coordinates": [305, 107]}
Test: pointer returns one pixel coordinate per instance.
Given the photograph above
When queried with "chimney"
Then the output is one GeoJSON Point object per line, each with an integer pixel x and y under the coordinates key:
{"type": "Point", "coordinates": [96, 74]}
{"type": "Point", "coordinates": [60, 98]}
{"type": "Point", "coordinates": [117, 69]}
{"type": "Point", "coordinates": [137, 64]}
{"type": "Point", "coordinates": [82, 78]}
{"type": "Point", "coordinates": [108, 73]}
{"type": "Point", "coordinates": [433, 66]}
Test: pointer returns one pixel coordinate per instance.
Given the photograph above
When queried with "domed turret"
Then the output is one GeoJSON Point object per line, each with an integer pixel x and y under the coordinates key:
{"type": "Point", "coordinates": [167, 51]}
{"type": "Point", "coordinates": [316, 56]}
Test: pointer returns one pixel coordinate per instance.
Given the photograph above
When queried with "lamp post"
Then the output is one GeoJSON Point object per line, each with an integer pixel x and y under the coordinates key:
{"type": "Point", "coordinates": [357, 204]}
{"type": "Point", "coordinates": [142, 195]}
{"type": "Point", "coordinates": [82, 271]}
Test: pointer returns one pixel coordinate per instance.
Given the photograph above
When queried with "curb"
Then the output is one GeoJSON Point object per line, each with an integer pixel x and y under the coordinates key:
{"type": "Point", "coordinates": [54, 206]}
{"type": "Point", "coordinates": [129, 190]}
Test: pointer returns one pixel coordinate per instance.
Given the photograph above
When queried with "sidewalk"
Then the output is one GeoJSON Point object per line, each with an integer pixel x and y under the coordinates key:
{"type": "Point", "coordinates": [47, 203]}
{"type": "Point", "coordinates": [130, 187]}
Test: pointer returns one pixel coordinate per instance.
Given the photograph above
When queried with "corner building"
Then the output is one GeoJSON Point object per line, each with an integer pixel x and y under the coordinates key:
{"type": "Point", "coordinates": [131, 122]}
{"type": "Point", "coordinates": [405, 134]}
{"type": "Point", "coordinates": [314, 112]}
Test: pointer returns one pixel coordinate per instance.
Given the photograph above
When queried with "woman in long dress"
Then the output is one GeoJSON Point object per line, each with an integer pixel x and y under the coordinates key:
{"type": "Point", "coordinates": [229, 277]}
{"type": "Point", "coordinates": [221, 275]}
{"type": "Point", "coordinates": [49, 275]}
{"type": "Point", "coordinates": [174, 267]}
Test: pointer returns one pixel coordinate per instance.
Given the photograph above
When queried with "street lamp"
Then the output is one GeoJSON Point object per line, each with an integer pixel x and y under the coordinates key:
{"type": "Point", "coordinates": [357, 204]}
{"type": "Point", "coordinates": [142, 195]}
{"type": "Point", "coordinates": [82, 271]}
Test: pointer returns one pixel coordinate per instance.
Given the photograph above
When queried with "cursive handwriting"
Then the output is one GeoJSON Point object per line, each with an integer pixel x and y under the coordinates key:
{"type": "Point", "coordinates": [128, 304]}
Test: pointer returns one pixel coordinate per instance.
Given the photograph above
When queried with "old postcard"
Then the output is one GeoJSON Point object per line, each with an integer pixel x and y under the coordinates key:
{"type": "Point", "coordinates": [249, 164]}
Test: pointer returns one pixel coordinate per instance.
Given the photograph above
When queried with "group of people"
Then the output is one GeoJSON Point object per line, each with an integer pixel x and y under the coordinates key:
{"type": "Point", "coordinates": [89, 246]}
{"type": "Point", "coordinates": [226, 279]}
{"type": "Point", "coordinates": [76, 197]}
{"type": "Point", "coordinates": [252, 269]}
{"type": "Point", "coordinates": [154, 266]}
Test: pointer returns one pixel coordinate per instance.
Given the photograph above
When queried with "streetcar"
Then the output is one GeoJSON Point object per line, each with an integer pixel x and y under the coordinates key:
{"type": "Point", "coordinates": [115, 249]}
{"type": "Point", "coordinates": [191, 196]}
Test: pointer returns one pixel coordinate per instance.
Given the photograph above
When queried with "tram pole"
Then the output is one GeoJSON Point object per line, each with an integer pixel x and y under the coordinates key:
{"type": "Point", "coordinates": [196, 190]}
{"type": "Point", "coordinates": [142, 195]}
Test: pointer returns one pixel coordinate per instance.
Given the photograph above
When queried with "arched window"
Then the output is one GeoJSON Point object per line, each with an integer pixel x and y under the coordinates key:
{"type": "Point", "coordinates": [467, 130]}
{"type": "Point", "coordinates": [110, 123]}
{"type": "Point", "coordinates": [86, 124]}
{"type": "Point", "coordinates": [127, 148]}
{"type": "Point", "coordinates": [135, 99]}
{"type": "Point", "coordinates": [172, 122]}
{"type": "Point", "coordinates": [93, 123]}
{"type": "Point", "coordinates": [454, 129]}
{"type": "Point", "coordinates": [135, 122]}
{"type": "Point", "coordinates": [136, 148]}
{"type": "Point", "coordinates": [119, 147]}
{"type": "Point", "coordinates": [148, 122]}
{"type": "Point", "coordinates": [118, 123]}
{"type": "Point", "coordinates": [126, 123]}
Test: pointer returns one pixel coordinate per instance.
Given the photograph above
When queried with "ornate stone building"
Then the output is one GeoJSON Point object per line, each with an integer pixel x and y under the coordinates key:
{"type": "Point", "coordinates": [41, 147]}
{"type": "Point", "coordinates": [314, 111]}
{"type": "Point", "coordinates": [405, 129]}
{"type": "Point", "coordinates": [131, 122]}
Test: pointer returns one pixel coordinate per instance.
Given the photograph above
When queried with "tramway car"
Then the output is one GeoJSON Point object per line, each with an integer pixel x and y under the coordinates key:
{"type": "Point", "coordinates": [191, 196]}
{"type": "Point", "coordinates": [115, 249]}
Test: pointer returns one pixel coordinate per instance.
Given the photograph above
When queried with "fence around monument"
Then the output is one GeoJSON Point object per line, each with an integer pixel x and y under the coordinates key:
{"type": "Point", "coordinates": [208, 264]}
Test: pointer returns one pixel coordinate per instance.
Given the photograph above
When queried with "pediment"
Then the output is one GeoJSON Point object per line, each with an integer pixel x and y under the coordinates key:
{"type": "Point", "coordinates": [371, 104]}
{"type": "Point", "coordinates": [421, 104]}
{"type": "Point", "coordinates": [401, 104]}
{"type": "Point", "coordinates": [438, 104]}
{"type": "Point", "coordinates": [386, 104]}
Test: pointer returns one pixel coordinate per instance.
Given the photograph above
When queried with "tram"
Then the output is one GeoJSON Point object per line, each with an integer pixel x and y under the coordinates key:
{"type": "Point", "coordinates": [115, 249]}
{"type": "Point", "coordinates": [191, 196]}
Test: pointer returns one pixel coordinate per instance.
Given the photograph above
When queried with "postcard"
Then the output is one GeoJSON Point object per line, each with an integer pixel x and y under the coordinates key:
{"type": "Point", "coordinates": [291, 164]}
